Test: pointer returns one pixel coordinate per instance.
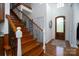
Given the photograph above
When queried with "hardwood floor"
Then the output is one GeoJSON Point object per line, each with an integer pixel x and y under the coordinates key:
{"type": "Point", "coordinates": [52, 50]}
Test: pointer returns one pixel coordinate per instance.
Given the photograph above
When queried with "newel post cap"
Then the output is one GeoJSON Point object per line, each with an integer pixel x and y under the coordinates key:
{"type": "Point", "coordinates": [19, 33]}
{"type": "Point", "coordinates": [18, 28]}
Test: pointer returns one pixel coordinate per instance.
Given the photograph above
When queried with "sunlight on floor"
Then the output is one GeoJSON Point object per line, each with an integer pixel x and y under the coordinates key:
{"type": "Point", "coordinates": [59, 51]}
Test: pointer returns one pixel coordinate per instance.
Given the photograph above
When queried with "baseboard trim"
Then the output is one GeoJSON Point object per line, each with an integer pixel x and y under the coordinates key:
{"type": "Point", "coordinates": [49, 41]}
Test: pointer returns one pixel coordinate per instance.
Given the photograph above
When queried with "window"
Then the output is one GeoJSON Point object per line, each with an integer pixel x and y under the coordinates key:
{"type": "Point", "coordinates": [59, 5]}
{"type": "Point", "coordinates": [60, 24]}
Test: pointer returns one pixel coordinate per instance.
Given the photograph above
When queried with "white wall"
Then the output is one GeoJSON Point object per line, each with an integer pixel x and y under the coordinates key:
{"type": "Point", "coordinates": [38, 12]}
{"type": "Point", "coordinates": [71, 19]}
{"type": "Point", "coordinates": [49, 12]}
{"type": "Point", "coordinates": [48, 34]}
{"type": "Point", "coordinates": [75, 21]}
{"type": "Point", "coordinates": [39, 15]}
{"type": "Point", "coordinates": [4, 25]}
{"type": "Point", "coordinates": [52, 12]}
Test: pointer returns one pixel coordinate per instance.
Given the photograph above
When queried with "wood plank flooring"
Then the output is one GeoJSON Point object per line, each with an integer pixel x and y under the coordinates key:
{"type": "Point", "coordinates": [52, 50]}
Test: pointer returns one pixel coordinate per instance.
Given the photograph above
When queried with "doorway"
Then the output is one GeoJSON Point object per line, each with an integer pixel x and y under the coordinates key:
{"type": "Point", "coordinates": [60, 27]}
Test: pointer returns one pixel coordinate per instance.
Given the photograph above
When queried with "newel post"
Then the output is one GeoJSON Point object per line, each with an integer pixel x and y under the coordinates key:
{"type": "Point", "coordinates": [19, 36]}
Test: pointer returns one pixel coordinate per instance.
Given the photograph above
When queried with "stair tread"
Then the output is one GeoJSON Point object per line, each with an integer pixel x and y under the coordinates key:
{"type": "Point", "coordinates": [30, 47]}
{"type": "Point", "coordinates": [24, 38]}
{"type": "Point", "coordinates": [27, 34]}
{"type": "Point", "coordinates": [24, 30]}
{"type": "Point", "coordinates": [37, 51]}
{"type": "Point", "coordinates": [26, 41]}
{"type": "Point", "coordinates": [7, 47]}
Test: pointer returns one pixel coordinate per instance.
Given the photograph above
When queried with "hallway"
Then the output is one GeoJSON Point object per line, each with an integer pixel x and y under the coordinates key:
{"type": "Point", "coordinates": [56, 50]}
{"type": "Point", "coordinates": [39, 25]}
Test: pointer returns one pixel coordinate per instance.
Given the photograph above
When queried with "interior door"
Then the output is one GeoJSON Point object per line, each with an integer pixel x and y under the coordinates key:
{"type": "Point", "coordinates": [60, 27]}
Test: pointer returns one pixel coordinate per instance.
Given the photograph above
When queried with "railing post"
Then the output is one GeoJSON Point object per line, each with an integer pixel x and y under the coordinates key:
{"type": "Point", "coordinates": [44, 46]}
{"type": "Point", "coordinates": [19, 36]}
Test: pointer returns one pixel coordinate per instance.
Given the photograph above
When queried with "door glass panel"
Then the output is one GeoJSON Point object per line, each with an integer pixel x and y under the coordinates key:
{"type": "Point", "coordinates": [60, 25]}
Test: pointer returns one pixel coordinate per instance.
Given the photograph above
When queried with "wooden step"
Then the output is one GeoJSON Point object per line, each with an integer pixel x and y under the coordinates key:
{"type": "Point", "coordinates": [27, 38]}
{"type": "Point", "coordinates": [27, 35]}
{"type": "Point", "coordinates": [42, 54]}
{"type": "Point", "coordinates": [18, 24]}
{"type": "Point", "coordinates": [27, 41]}
{"type": "Point", "coordinates": [25, 31]}
{"type": "Point", "coordinates": [15, 21]}
{"type": "Point", "coordinates": [24, 28]}
{"type": "Point", "coordinates": [29, 48]}
{"type": "Point", "coordinates": [35, 52]}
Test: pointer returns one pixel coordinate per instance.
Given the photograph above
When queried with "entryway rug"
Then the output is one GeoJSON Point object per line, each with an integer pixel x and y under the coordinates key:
{"type": "Point", "coordinates": [60, 43]}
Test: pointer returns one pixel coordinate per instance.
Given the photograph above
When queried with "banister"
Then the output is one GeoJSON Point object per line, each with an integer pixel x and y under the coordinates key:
{"type": "Point", "coordinates": [18, 35]}
{"type": "Point", "coordinates": [11, 23]}
{"type": "Point", "coordinates": [30, 19]}
{"type": "Point", "coordinates": [18, 4]}
{"type": "Point", "coordinates": [24, 14]}
{"type": "Point", "coordinates": [26, 5]}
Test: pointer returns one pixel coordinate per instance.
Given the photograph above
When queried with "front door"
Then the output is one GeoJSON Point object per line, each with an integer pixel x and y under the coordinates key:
{"type": "Point", "coordinates": [60, 27]}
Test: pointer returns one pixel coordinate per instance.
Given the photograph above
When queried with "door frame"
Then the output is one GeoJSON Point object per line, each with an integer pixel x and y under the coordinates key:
{"type": "Point", "coordinates": [56, 25]}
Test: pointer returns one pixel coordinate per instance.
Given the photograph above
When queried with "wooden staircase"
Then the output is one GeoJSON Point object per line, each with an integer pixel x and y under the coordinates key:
{"type": "Point", "coordinates": [30, 46]}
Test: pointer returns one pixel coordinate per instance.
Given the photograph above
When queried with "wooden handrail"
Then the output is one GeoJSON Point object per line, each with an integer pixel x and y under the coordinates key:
{"type": "Point", "coordinates": [26, 5]}
{"type": "Point", "coordinates": [30, 19]}
{"type": "Point", "coordinates": [11, 23]}
{"type": "Point", "coordinates": [18, 4]}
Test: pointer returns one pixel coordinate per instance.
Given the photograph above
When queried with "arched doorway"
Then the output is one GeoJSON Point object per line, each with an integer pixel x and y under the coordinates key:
{"type": "Point", "coordinates": [60, 27]}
